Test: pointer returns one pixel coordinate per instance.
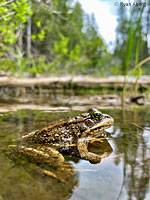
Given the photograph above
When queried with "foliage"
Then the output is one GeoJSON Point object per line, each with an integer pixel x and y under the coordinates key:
{"type": "Point", "coordinates": [12, 15]}
{"type": "Point", "coordinates": [64, 39]}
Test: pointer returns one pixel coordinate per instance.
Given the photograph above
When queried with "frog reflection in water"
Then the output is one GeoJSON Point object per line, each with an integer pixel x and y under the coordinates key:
{"type": "Point", "coordinates": [75, 133]}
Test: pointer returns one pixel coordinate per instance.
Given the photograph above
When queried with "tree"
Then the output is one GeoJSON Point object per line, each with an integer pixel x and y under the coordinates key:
{"type": "Point", "coordinates": [14, 16]}
{"type": "Point", "coordinates": [64, 39]}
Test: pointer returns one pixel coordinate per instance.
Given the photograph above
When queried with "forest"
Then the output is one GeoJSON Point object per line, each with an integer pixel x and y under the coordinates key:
{"type": "Point", "coordinates": [42, 37]}
{"type": "Point", "coordinates": [74, 110]}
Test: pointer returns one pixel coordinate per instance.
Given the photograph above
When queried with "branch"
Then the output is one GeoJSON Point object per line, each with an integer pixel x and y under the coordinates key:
{"type": "Point", "coordinates": [10, 14]}
{"type": "Point", "coordinates": [46, 1]}
{"type": "Point", "coordinates": [7, 2]}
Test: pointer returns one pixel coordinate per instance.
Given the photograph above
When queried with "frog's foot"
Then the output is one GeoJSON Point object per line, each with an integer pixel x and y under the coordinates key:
{"type": "Point", "coordinates": [42, 154]}
{"type": "Point", "coordinates": [96, 140]}
{"type": "Point", "coordinates": [46, 172]}
{"type": "Point", "coordinates": [85, 154]}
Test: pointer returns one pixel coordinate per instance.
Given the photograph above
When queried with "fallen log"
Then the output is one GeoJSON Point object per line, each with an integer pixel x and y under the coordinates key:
{"type": "Point", "coordinates": [56, 82]}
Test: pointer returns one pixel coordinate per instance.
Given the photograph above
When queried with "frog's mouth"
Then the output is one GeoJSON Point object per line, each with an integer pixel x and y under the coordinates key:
{"type": "Point", "coordinates": [105, 123]}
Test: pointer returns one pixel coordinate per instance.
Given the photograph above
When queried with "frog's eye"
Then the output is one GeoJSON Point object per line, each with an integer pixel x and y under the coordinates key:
{"type": "Point", "coordinates": [96, 115]}
{"type": "Point", "coordinates": [100, 116]}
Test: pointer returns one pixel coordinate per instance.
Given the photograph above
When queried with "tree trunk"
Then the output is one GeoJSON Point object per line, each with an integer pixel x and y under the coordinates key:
{"type": "Point", "coordinates": [20, 41]}
{"type": "Point", "coordinates": [29, 36]}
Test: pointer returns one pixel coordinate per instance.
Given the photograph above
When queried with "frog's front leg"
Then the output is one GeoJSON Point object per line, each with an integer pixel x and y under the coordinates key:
{"type": "Point", "coordinates": [40, 154]}
{"type": "Point", "coordinates": [82, 146]}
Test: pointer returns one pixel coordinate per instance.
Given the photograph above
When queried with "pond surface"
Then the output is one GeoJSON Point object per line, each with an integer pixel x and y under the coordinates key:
{"type": "Point", "coordinates": [124, 174]}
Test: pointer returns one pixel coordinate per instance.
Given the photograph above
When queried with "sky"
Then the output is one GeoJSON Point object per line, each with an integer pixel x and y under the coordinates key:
{"type": "Point", "coordinates": [105, 18]}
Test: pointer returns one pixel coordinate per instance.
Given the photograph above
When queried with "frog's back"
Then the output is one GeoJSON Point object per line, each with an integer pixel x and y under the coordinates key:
{"type": "Point", "coordinates": [65, 130]}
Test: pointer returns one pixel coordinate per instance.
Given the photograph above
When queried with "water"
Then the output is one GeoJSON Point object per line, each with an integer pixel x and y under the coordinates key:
{"type": "Point", "coordinates": [123, 175]}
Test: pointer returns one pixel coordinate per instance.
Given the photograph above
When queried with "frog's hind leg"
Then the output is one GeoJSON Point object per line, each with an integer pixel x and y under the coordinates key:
{"type": "Point", "coordinates": [40, 154]}
{"type": "Point", "coordinates": [85, 154]}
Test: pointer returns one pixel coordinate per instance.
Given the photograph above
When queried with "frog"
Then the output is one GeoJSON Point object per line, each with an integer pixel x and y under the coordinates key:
{"type": "Point", "coordinates": [47, 144]}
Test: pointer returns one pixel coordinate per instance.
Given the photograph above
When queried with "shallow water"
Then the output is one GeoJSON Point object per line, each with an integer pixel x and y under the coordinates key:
{"type": "Point", "coordinates": [123, 174]}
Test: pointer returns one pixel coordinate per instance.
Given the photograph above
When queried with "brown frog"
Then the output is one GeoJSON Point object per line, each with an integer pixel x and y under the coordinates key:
{"type": "Point", "coordinates": [44, 146]}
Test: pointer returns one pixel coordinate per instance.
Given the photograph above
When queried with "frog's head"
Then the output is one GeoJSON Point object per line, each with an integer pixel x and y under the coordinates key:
{"type": "Point", "coordinates": [97, 121]}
